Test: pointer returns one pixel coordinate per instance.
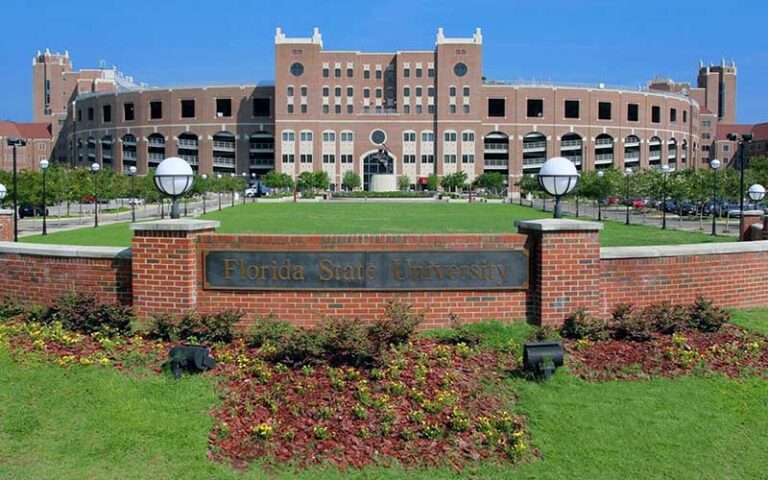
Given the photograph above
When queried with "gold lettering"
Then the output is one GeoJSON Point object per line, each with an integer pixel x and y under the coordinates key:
{"type": "Point", "coordinates": [253, 272]}
{"type": "Point", "coordinates": [284, 272]}
{"type": "Point", "coordinates": [396, 270]}
{"type": "Point", "coordinates": [370, 273]}
{"type": "Point", "coordinates": [502, 269]}
{"type": "Point", "coordinates": [453, 272]}
{"type": "Point", "coordinates": [326, 270]}
{"type": "Point", "coordinates": [298, 273]}
{"type": "Point", "coordinates": [230, 266]}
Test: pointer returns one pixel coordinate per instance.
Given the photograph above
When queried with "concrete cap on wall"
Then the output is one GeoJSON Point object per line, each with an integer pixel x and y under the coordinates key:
{"type": "Point", "coordinates": [176, 225]}
{"type": "Point", "coordinates": [558, 225]}
{"type": "Point", "coordinates": [6, 211]}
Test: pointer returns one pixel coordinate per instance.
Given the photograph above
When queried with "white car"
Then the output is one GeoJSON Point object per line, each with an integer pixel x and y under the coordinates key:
{"type": "Point", "coordinates": [136, 201]}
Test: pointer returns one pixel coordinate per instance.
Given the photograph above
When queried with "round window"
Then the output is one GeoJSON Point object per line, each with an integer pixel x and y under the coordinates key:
{"type": "Point", "coordinates": [297, 69]}
{"type": "Point", "coordinates": [378, 137]}
{"type": "Point", "coordinates": [460, 69]}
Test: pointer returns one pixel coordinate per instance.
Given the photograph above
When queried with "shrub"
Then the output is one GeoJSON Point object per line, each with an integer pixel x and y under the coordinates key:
{"type": "Point", "coordinates": [10, 309]}
{"type": "Point", "coordinates": [198, 327]}
{"type": "Point", "coordinates": [301, 347]}
{"type": "Point", "coordinates": [705, 317]}
{"type": "Point", "coordinates": [666, 317]}
{"type": "Point", "coordinates": [268, 330]}
{"type": "Point", "coordinates": [580, 324]}
{"type": "Point", "coordinates": [396, 327]}
{"type": "Point", "coordinates": [630, 325]}
{"type": "Point", "coordinates": [457, 335]}
{"type": "Point", "coordinates": [346, 341]}
{"type": "Point", "coordinates": [82, 312]}
{"type": "Point", "coordinates": [543, 333]}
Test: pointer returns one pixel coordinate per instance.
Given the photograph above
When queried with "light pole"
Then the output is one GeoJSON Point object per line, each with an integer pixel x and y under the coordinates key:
{"type": "Point", "coordinates": [714, 165]}
{"type": "Point", "coordinates": [627, 175]}
{"type": "Point", "coordinates": [132, 174]}
{"type": "Point", "coordinates": [245, 183]}
{"type": "Point", "coordinates": [232, 176]}
{"type": "Point", "coordinates": [15, 142]}
{"type": "Point", "coordinates": [756, 193]}
{"type": "Point", "coordinates": [218, 181]}
{"type": "Point", "coordinates": [174, 178]}
{"type": "Point", "coordinates": [600, 175]}
{"type": "Point", "coordinates": [44, 167]}
{"type": "Point", "coordinates": [255, 182]}
{"type": "Point", "coordinates": [745, 138]}
{"type": "Point", "coordinates": [95, 167]}
{"type": "Point", "coordinates": [664, 175]}
{"type": "Point", "coordinates": [205, 181]}
{"type": "Point", "coordinates": [3, 192]}
{"type": "Point", "coordinates": [558, 176]}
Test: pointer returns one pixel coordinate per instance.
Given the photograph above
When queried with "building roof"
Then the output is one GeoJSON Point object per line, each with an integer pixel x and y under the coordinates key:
{"type": "Point", "coordinates": [724, 129]}
{"type": "Point", "coordinates": [760, 131]}
{"type": "Point", "coordinates": [25, 130]}
{"type": "Point", "coordinates": [704, 110]}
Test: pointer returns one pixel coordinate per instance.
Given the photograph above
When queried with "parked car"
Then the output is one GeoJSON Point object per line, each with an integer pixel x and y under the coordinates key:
{"type": "Point", "coordinates": [31, 211]}
{"type": "Point", "coordinates": [90, 199]}
{"type": "Point", "coordinates": [685, 208]}
{"type": "Point", "coordinates": [136, 201]}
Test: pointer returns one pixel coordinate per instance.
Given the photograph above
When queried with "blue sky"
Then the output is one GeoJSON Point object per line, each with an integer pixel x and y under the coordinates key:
{"type": "Point", "coordinates": [615, 42]}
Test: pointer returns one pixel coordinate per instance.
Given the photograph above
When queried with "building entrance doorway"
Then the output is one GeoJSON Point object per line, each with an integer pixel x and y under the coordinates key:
{"type": "Point", "coordinates": [376, 163]}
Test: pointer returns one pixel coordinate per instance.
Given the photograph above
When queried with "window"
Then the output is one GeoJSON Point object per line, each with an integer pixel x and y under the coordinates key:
{"type": "Point", "coordinates": [337, 91]}
{"type": "Point", "coordinates": [449, 136]}
{"type": "Point", "coordinates": [406, 109]}
{"type": "Point", "coordinates": [289, 91]}
{"type": "Point", "coordinates": [655, 114]}
{"type": "Point", "coordinates": [427, 137]}
{"type": "Point", "coordinates": [306, 136]}
{"type": "Point", "coordinates": [452, 91]}
{"type": "Point", "coordinates": [350, 91]}
{"type": "Point", "coordinates": [304, 91]}
{"type": "Point", "coordinates": [406, 91]}
{"type": "Point", "coordinates": [431, 72]}
{"type": "Point", "coordinates": [406, 73]}
{"type": "Point", "coordinates": [289, 108]}
{"type": "Point", "coordinates": [465, 91]}
{"type": "Point", "coordinates": [306, 158]}
{"type": "Point", "coordinates": [187, 109]}
{"type": "Point", "coordinates": [337, 73]}
{"type": "Point", "coordinates": [430, 91]}
{"type": "Point", "coordinates": [378, 74]}
{"type": "Point", "coordinates": [430, 108]}
{"type": "Point", "coordinates": [79, 115]}
{"type": "Point", "coordinates": [571, 109]}
{"type": "Point", "coordinates": [155, 110]}
{"type": "Point", "coordinates": [347, 136]}
{"type": "Point", "coordinates": [468, 137]}
{"type": "Point", "coordinates": [496, 107]}
{"type": "Point", "coordinates": [106, 113]}
{"type": "Point", "coordinates": [418, 73]}
{"type": "Point", "coordinates": [366, 74]}
{"type": "Point", "coordinates": [705, 136]}
{"type": "Point", "coordinates": [535, 108]}
{"type": "Point", "coordinates": [672, 114]}
{"type": "Point", "coordinates": [326, 72]}
{"type": "Point", "coordinates": [223, 107]}
{"type": "Point", "coordinates": [466, 108]}
{"type": "Point", "coordinates": [303, 108]}
{"type": "Point", "coordinates": [289, 136]}
{"type": "Point", "coordinates": [326, 91]}
{"type": "Point", "coordinates": [329, 158]}
{"type": "Point", "coordinates": [366, 109]}
{"type": "Point", "coordinates": [262, 107]}
{"type": "Point", "coordinates": [603, 110]}
{"type": "Point", "coordinates": [366, 93]}
{"type": "Point", "coordinates": [289, 158]}
{"type": "Point", "coordinates": [128, 112]}
{"type": "Point", "coordinates": [419, 109]}
{"type": "Point", "coordinates": [337, 108]}
{"type": "Point", "coordinates": [326, 109]}
{"type": "Point", "coordinates": [379, 109]}
{"type": "Point", "coordinates": [633, 112]}
{"type": "Point", "coordinates": [706, 123]}
{"type": "Point", "coordinates": [427, 159]}
{"type": "Point", "coordinates": [90, 113]}
{"type": "Point", "coordinates": [726, 148]}
{"type": "Point", "coordinates": [685, 116]}
{"type": "Point", "coordinates": [452, 108]}
{"type": "Point", "coordinates": [409, 136]}
{"type": "Point", "coordinates": [449, 158]}
{"type": "Point", "coordinates": [346, 159]}
{"type": "Point", "coordinates": [418, 91]}
{"type": "Point", "coordinates": [467, 159]}
{"type": "Point", "coordinates": [350, 72]}
{"type": "Point", "coordinates": [350, 108]}
{"type": "Point", "coordinates": [378, 93]}
{"type": "Point", "coordinates": [409, 158]}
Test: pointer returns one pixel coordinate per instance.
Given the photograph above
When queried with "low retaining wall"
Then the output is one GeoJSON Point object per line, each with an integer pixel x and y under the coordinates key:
{"type": "Point", "coordinates": [38, 274]}
{"type": "Point", "coordinates": [567, 269]}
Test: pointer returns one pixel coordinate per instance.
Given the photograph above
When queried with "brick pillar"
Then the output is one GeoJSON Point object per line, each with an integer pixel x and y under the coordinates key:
{"type": "Point", "coordinates": [6, 225]}
{"type": "Point", "coordinates": [749, 218]}
{"type": "Point", "coordinates": [165, 264]}
{"type": "Point", "coordinates": [564, 271]}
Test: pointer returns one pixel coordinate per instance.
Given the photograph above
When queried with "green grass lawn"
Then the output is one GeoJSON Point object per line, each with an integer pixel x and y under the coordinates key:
{"type": "Point", "coordinates": [379, 218]}
{"type": "Point", "coordinates": [96, 423]}
{"type": "Point", "coordinates": [755, 319]}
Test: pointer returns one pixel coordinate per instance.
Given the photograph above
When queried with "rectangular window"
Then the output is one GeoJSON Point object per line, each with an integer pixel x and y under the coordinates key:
{"type": "Point", "coordinates": [466, 91]}
{"type": "Point", "coordinates": [326, 73]}
{"type": "Point", "coordinates": [305, 136]}
{"type": "Point", "coordinates": [406, 73]}
{"type": "Point", "coordinates": [155, 110]}
{"type": "Point", "coordinates": [452, 108]}
{"type": "Point", "coordinates": [303, 108]}
{"type": "Point", "coordinates": [406, 91]}
{"type": "Point", "coordinates": [406, 109]}
{"type": "Point", "coordinates": [427, 159]}
{"type": "Point", "coordinates": [223, 107]}
{"type": "Point", "coordinates": [350, 73]}
{"type": "Point", "coordinates": [418, 91]}
{"type": "Point", "coordinates": [633, 112]}
{"type": "Point", "coordinates": [128, 112]}
{"type": "Point", "coordinates": [706, 124]}
{"type": "Point", "coordinates": [303, 91]}
{"type": "Point", "coordinates": [337, 91]}
{"type": "Point", "coordinates": [337, 73]}
{"type": "Point", "coordinates": [288, 158]}
{"type": "Point", "coordinates": [106, 113]}
{"type": "Point", "coordinates": [346, 159]}
{"type": "Point", "coordinates": [306, 158]}
{"type": "Point", "coordinates": [466, 108]}
{"type": "Point", "coordinates": [289, 109]}
{"type": "Point", "coordinates": [409, 158]}
{"type": "Point", "coordinates": [430, 108]}
{"type": "Point", "coordinates": [431, 72]}
{"type": "Point", "coordinates": [288, 136]}
{"type": "Point", "coordinates": [79, 115]}
{"type": "Point", "coordinates": [452, 91]}
{"type": "Point", "coordinates": [350, 91]}
{"type": "Point", "coordinates": [467, 159]}
{"type": "Point", "coordinates": [449, 158]}
{"type": "Point", "coordinates": [326, 109]}
{"type": "Point", "coordinates": [535, 108]}
{"type": "Point", "coordinates": [329, 158]}
{"type": "Point", "coordinates": [496, 107]}
{"type": "Point", "coordinates": [430, 91]}
{"type": "Point", "coordinates": [449, 136]}
{"type": "Point", "coordinates": [604, 110]}
{"type": "Point", "coordinates": [418, 73]}
{"type": "Point", "coordinates": [378, 74]}
{"type": "Point", "coordinates": [726, 148]}
{"type": "Point", "coordinates": [90, 113]}
{"type": "Point", "coordinates": [366, 74]}
{"type": "Point", "coordinates": [419, 109]}
{"type": "Point", "coordinates": [378, 93]}
{"type": "Point", "coordinates": [262, 107]}
{"type": "Point", "coordinates": [672, 114]}
{"type": "Point", "coordinates": [571, 109]}
{"type": "Point", "coordinates": [468, 137]}
{"type": "Point", "coordinates": [409, 136]}
{"type": "Point", "coordinates": [347, 136]}
{"type": "Point", "coordinates": [705, 136]}
{"type": "Point", "coordinates": [427, 137]}
{"type": "Point", "coordinates": [655, 114]}
{"type": "Point", "coordinates": [366, 93]}
{"type": "Point", "coordinates": [289, 91]}
{"type": "Point", "coordinates": [350, 108]}
{"type": "Point", "coordinates": [337, 109]}
{"type": "Point", "coordinates": [685, 116]}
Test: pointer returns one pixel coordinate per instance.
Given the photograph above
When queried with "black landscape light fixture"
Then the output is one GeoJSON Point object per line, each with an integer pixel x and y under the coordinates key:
{"type": "Point", "coordinates": [600, 175]}
{"type": "Point", "coordinates": [557, 177]}
{"type": "Point", "coordinates": [95, 167]}
{"type": "Point", "coordinates": [204, 177]}
{"type": "Point", "coordinates": [174, 178]}
{"type": "Point", "coordinates": [741, 141]}
{"type": "Point", "coordinates": [714, 165]}
{"type": "Point", "coordinates": [756, 193]}
{"type": "Point", "coordinates": [245, 185]}
{"type": "Point", "coordinates": [256, 183]}
{"type": "Point", "coordinates": [15, 142]}
{"type": "Point", "coordinates": [218, 186]}
{"type": "Point", "coordinates": [540, 359]}
{"type": "Point", "coordinates": [132, 174]}
{"type": "Point", "coordinates": [44, 167]}
{"type": "Point", "coordinates": [664, 177]}
{"type": "Point", "coordinates": [190, 358]}
{"type": "Point", "coordinates": [627, 175]}
{"type": "Point", "coordinates": [232, 177]}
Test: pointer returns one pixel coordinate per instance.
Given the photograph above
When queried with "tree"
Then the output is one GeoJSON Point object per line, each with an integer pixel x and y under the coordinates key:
{"type": "Point", "coordinates": [351, 180]}
{"type": "Point", "coordinates": [320, 180]}
{"type": "Point", "coordinates": [404, 182]}
{"type": "Point", "coordinates": [528, 184]}
{"type": "Point", "coordinates": [305, 181]}
{"type": "Point", "coordinates": [493, 182]}
{"type": "Point", "coordinates": [432, 182]}
{"type": "Point", "coordinates": [278, 180]}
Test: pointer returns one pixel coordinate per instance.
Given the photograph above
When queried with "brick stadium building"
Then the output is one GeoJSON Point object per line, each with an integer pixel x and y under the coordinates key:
{"type": "Point", "coordinates": [433, 110]}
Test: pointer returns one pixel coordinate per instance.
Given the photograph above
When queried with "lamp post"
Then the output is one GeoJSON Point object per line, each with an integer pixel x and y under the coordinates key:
{"type": "Point", "coordinates": [232, 176]}
{"type": "Point", "coordinates": [741, 141]}
{"type": "Point", "coordinates": [557, 177]}
{"type": "Point", "coordinates": [174, 178]}
{"type": "Point", "coordinates": [600, 175]}
{"type": "Point", "coordinates": [714, 165]}
{"type": "Point", "coordinates": [44, 167]}
{"type": "Point", "coordinates": [664, 175]}
{"type": "Point", "coordinates": [756, 193]}
{"type": "Point", "coordinates": [95, 167]}
{"type": "Point", "coordinates": [3, 192]}
{"type": "Point", "coordinates": [15, 142]}
{"type": "Point", "coordinates": [132, 174]}
{"type": "Point", "coordinates": [257, 184]}
{"type": "Point", "coordinates": [245, 183]}
{"type": "Point", "coordinates": [218, 181]}
{"type": "Point", "coordinates": [627, 175]}
{"type": "Point", "coordinates": [205, 181]}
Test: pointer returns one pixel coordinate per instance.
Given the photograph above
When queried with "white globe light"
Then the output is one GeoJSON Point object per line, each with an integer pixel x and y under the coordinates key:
{"type": "Point", "coordinates": [756, 192]}
{"type": "Point", "coordinates": [558, 176]}
{"type": "Point", "coordinates": [173, 177]}
{"type": "Point", "coordinates": [628, 172]}
{"type": "Point", "coordinates": [3, 191]}
{"type": "Point", "coordinates": [44, 164]}
{"type": "Point", "coordinates": [131, 170]}
{"type": "Point", "coordinates": [204, 176]}
{"type": "Point", "coordinates": [714, 164]}
{"type": "Point", "coordinates": [95, 167]}
{"type": "Point", "coordinates": [665, 168]}
{"type": "Point", "coordinates": [600, 173]}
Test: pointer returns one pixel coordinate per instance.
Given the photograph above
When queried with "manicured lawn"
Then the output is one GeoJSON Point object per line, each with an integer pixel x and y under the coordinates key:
{"type": "Point", "coordinates": [755, 319]}
{"type": "Point", "coordinates": [379, 218]}
{"type": "Point", "coordinates": [92, 422]}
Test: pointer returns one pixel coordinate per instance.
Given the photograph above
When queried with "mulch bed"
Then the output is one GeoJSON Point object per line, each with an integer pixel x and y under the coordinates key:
{"type": "Point", "coordinates": [731, 351]}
